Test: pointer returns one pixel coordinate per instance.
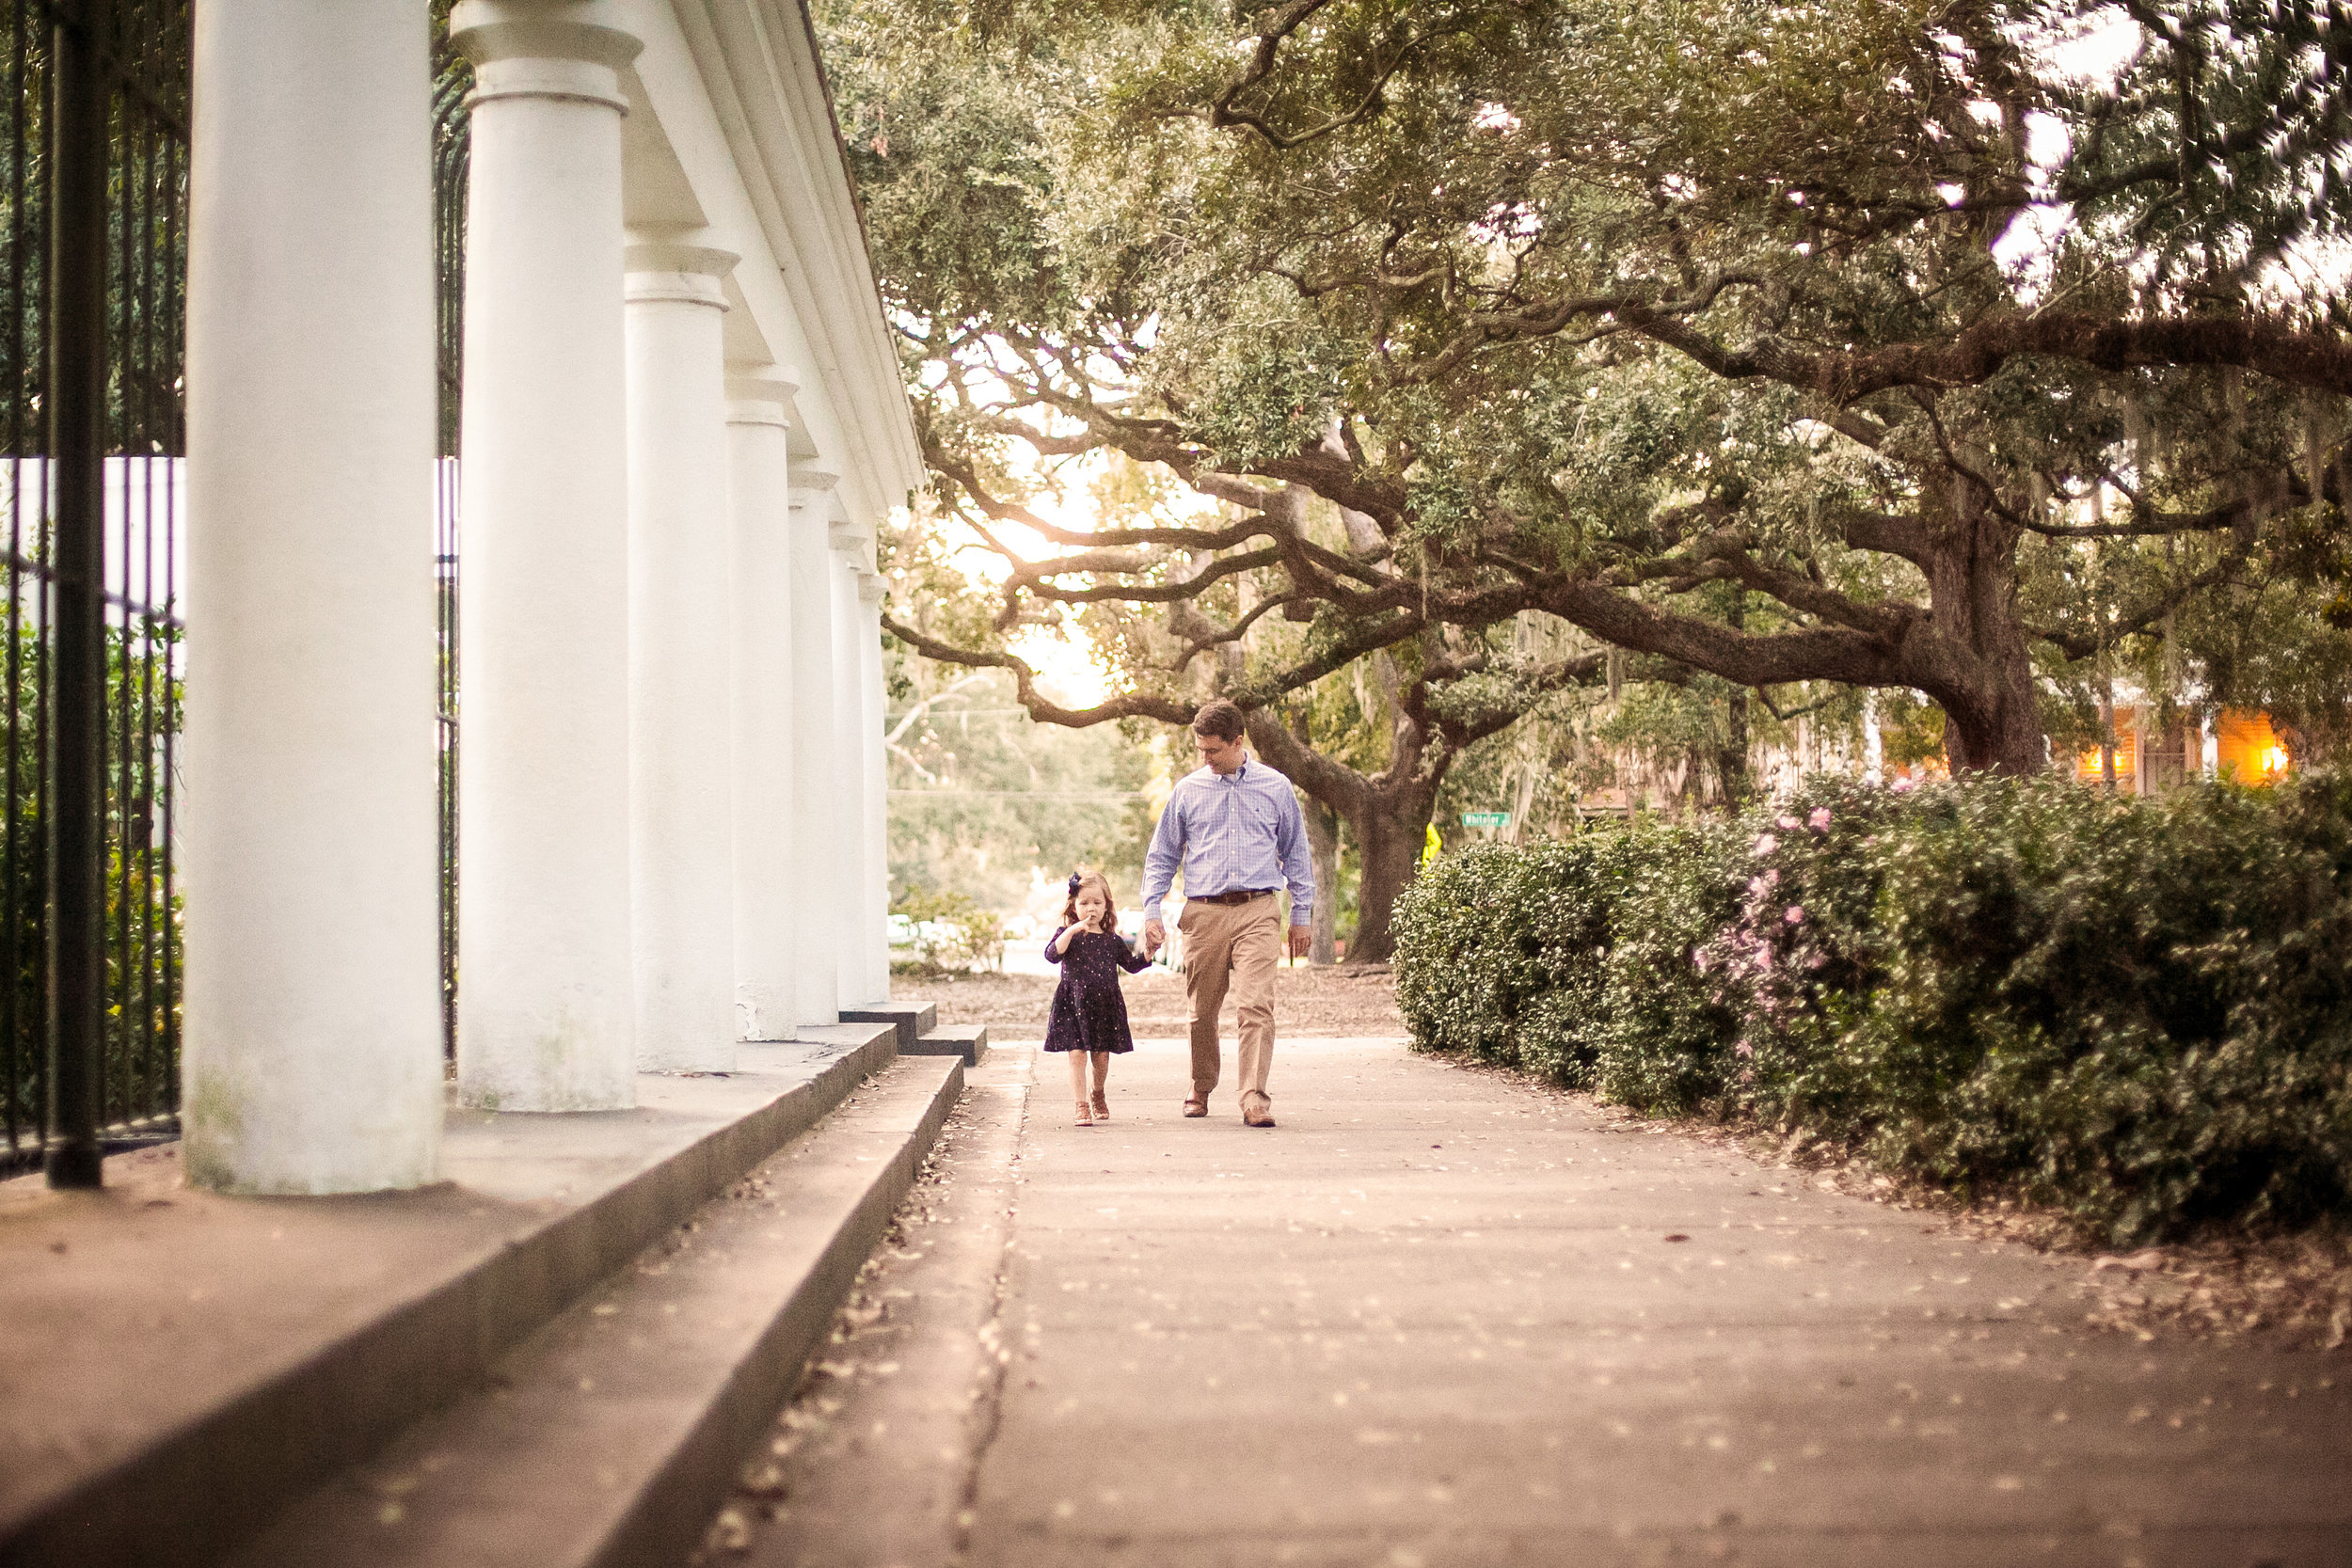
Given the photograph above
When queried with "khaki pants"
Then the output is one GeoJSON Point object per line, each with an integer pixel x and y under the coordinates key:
{"type": "Point", "coordinates": [1234, 946]}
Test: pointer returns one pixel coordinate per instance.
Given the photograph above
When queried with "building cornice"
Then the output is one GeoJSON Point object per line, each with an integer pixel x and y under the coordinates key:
{"type": "Point", "coordinates": [761, 66]}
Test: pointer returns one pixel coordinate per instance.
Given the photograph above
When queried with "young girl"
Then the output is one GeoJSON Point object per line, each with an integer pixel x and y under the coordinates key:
{"type": "Point", "coordinates": [1089, 1014]}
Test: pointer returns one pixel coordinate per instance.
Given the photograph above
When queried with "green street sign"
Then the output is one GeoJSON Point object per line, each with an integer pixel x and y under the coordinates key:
{"type": "Point", "coordinates": [1486, 820]}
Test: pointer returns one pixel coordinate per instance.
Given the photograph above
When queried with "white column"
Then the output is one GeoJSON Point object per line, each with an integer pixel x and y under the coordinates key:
{"type": "Point", "coordinates": [849, 771]}
{"type": "Point", "coordinates": [313, 1056]}
{"type": "Point", "coordinates": [544, 1013]}
{"type": "Point", "coordinates": [767, 923]}
{"type": "Point", "coordinates": [680, 648]}
{"type": "Point", "coordinates": [874, 775]}
{"type": "Point", "coordinates": [817, 987]}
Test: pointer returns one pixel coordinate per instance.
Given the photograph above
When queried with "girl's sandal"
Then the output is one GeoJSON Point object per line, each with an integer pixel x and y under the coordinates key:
{"type": "Point", "coordinates": [1102, 1108]}
{"type": "Point", "coordinates": [1086, 1115]}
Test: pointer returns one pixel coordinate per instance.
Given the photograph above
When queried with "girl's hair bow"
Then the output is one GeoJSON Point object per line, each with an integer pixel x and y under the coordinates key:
{"type": "Point", "coordinates": [1073, 885]}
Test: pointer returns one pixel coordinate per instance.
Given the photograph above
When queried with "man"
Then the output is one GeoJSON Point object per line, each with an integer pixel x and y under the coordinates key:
{"type": "Point", "coordinates": [1235, 827]}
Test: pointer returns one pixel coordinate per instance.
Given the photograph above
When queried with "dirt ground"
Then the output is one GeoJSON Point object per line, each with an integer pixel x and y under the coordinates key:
{"type": "Point", "coordinates": [1309, 1002]}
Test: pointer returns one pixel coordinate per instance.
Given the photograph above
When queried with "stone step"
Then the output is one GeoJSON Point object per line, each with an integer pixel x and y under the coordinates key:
{"type": "Point", "coordinates": [912, 1020]}
{"type": "Point", "coordinates": [967, 1040]}
{"type": "Point", "coordinates": [609, 1437]}
{"type": "Point", "coordinates": [182, 1365]}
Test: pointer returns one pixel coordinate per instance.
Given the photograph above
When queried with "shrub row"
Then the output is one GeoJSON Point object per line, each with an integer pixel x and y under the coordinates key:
{"type": "Point", "coordinates": [2138, 1010]}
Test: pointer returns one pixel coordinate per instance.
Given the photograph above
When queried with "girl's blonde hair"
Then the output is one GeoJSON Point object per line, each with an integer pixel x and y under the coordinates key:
{"type": "Point", "coordinates": [1079, 883]}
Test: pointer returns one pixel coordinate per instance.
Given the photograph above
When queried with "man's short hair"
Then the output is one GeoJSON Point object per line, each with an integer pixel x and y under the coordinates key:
{"type": "Point", "coordinates": [1219, 719]}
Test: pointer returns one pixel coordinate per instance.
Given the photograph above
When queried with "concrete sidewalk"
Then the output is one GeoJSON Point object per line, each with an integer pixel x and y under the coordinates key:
{"type": "Point", "coordinates": [1435, 1318]}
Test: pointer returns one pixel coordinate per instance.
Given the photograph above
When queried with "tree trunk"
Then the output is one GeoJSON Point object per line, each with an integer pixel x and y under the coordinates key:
{"type": "Point", "coordinates": [1979, 669]}
{"type": "Point", "coordinates": [1389, 836]}
{"type": "Point", "coordinates": [1731, 762]}
{"type": "Point", "coordinates": [1387, 815]}
{"type": "Point", "coordinates": [1993, 733]}
{"type": "Point", "coordinates": [1323, 842]}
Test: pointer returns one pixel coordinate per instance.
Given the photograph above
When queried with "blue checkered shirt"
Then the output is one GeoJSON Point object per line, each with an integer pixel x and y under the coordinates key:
{"type": "Point", "coordinates": [1241, 831]}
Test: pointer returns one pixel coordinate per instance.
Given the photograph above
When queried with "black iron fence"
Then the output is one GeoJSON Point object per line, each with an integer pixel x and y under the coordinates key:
{"type": "Point", "coordinates": [93, 264]}
{"type": "Point", "coordinates": [93, 256]}
{"type": "Point", "coordinates": [453, 80]}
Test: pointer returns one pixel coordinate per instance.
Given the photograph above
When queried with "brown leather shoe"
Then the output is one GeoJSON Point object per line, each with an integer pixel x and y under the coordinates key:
{"type": "Point", "coordinates": [1196, 1106]}
{"type": "Point", "coordinates": [1102, 1108]}
{"type": "Point", "coordinates": [1260, 1115]}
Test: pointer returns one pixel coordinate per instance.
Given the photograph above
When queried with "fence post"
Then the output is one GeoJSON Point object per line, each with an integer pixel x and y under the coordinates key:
{"type": "Point", "coordinates": [77, 447]}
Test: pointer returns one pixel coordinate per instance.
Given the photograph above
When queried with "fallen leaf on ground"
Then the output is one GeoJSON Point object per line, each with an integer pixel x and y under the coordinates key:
{"type": "Point", "coordinates": [2142, 1261]}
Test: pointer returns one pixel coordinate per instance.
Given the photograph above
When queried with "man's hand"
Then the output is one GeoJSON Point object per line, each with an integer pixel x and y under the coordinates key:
{"type": "Point", "coordinates": [1302, 938]}
{"type": "Point", "coordinates": [1154, 938]}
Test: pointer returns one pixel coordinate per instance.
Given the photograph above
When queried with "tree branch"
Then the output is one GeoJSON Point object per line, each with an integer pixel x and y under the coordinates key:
{"type": "Point", "coordinates": [1132, 705]}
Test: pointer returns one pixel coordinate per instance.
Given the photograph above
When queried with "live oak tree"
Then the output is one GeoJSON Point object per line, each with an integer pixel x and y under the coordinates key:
{"type": "Point", "coordinates": [1442, 686]}
{"type": "Point", "coordinates": [1964, 371]}
{"type": "Point", "coordinates": [1369, 739]}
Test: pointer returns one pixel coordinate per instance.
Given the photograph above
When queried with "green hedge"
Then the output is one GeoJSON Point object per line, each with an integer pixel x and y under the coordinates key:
{"type": "Point", "coordinates": [1572, 959]}
{"type": "Point", "coordinates": [2140, 1010]}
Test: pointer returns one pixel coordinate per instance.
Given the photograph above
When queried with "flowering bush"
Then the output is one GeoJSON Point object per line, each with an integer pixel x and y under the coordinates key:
{"type": "Point", "coordinates": [1803, 952]}
{"type": "Point", "coordinates": [1669, 1025]}
{"type": "Point", "coordinates": [2140, 1009]}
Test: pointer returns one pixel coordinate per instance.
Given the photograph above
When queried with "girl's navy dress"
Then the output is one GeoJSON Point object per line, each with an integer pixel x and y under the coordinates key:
{"type": "Point", "coordinates": [1089, 1014]}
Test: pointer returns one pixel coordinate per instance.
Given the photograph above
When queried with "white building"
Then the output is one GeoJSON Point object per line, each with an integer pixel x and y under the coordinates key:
{"type": "Point", "coordinates": [682, 421]}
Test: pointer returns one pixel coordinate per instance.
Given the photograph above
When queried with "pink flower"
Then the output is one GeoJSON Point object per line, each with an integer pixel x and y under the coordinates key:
{"type": "Point", "coordinates": [1904, 786]}
{"type": "Point", "coordinates": [1787, 824]}
{"type": "Point", "coordinates": [1698, 960]}
{"type": "Point", "coordinates": [1765, 845]}
{"type": "Point", "coordinates": [1793, 914]}
{"type": "Point", "coordinates": [1743, 1049]}
{"type": "Point", "coordinates": [1747, 1075]}
{"type": "Point", "coordinates": [1819, 821]}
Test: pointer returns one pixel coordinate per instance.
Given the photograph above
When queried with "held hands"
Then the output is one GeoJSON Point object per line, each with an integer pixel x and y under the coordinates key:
{"type": "Point", "coordinates": [1155, 936]}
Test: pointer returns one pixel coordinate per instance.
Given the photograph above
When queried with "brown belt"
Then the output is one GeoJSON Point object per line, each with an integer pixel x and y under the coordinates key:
{"type": "Point", "coordinates": [1239, 895]}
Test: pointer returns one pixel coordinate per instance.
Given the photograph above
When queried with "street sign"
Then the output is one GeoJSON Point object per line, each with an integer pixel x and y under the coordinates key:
{"type": "Point", "coordinates": [1486, 820]}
